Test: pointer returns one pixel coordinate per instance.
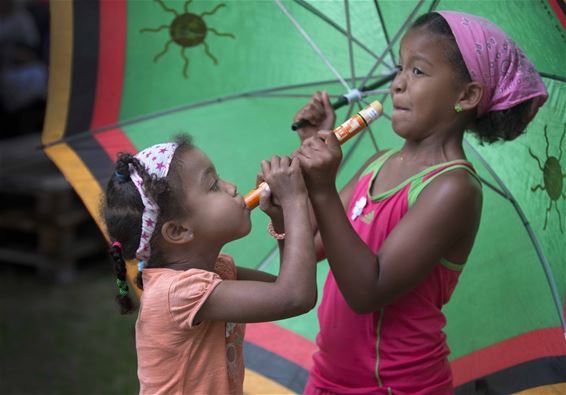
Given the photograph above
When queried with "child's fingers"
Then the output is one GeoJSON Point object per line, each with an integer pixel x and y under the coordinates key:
{"type": "Point", "coordinates": [329, 139]}
{"type": "Point", "coordinates": [295, 164]}
{"type": "Point", "coordinates": [265, 168]}
{"type": "Point", "coordinates": [326, 103]}
{"type": "Point", "coordinates": [285, 161]}
{"type": "Point", "coordinates": [259, 179]}
{"type": "Point", "coordinates": [313, 111]}
{"type": "Point", "coordinates": [275, 163]}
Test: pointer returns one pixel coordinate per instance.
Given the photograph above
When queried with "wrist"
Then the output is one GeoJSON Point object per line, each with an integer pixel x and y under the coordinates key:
{"type": "Point", "coordinates": [322, 193]}
{"type": "Point", "coordinates": [294, 202]}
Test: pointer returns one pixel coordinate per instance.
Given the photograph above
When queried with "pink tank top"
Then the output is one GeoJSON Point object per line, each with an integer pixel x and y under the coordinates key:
{"type": "Point", "coordinates": [401, 348]}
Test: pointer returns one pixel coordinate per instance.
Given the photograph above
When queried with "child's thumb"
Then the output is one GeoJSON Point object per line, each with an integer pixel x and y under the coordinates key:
{"type": "Point", "coordinates": [330, 139]}
{"type": "Point", "coordinates": [265, 199]}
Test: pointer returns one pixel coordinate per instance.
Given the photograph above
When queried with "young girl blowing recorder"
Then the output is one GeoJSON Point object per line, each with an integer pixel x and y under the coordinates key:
{"type": "Point", "coordinates": [168, 207]}
{"type": "Point", "coordinates": [399, 233]}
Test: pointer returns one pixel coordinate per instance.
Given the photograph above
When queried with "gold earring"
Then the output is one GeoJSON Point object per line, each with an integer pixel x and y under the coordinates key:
{"type": "Point", "coordinates": [458, 108]}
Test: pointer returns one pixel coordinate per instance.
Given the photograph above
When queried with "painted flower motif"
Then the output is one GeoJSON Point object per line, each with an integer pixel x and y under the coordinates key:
{"type": "Point", "coordinates": [359, 207]}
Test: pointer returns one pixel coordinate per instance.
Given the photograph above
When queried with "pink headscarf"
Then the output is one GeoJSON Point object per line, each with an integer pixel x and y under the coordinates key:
{"type": "Point", "coordinates": [493, 59]}
{"type": "Point", "coordinates": [156, 160]}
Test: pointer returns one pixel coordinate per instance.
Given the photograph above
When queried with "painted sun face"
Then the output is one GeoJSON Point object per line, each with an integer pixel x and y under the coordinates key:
{"type": "Point", "coordinates": [553, 178]}
{"type": "Point", "coordinates": [187, 30]}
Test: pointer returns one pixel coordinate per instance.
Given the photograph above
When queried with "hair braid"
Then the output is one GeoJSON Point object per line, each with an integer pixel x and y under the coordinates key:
{"type": "Point", "coordinates": [123, 298]}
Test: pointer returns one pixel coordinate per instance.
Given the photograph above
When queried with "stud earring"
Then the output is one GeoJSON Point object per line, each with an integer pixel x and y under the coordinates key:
{"type": "Point", "coordinates": [458, 108]}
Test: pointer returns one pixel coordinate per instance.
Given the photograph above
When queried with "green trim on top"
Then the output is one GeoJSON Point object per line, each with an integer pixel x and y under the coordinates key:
{"type": "Point", "coordinates": [417, 187]}
{"type": "Point", "coordinates": [452, 266]}
{"type": "Point", "coordinates": [376, 164]}
{"type": "Point", "coordinates": [379, 322]}
{"type": "Point", "coordinates": [404, 183]}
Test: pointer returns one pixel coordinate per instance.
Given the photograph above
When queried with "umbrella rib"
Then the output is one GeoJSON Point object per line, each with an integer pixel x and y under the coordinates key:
{"type": "Point", "coordinates": [82, 134]}
{"type": "Point", "coordinates": [393, 41]}
{"type": "Point", "coordinates": [326, 19]}
{"type": "Point", "coordinates": [384, 29]}
{"type": "Point", "coordinates": [553, 77]}
{"type": "Point", "coordinates": [364, 94]}
{"type": "Point", "coordinates": [265, 261]}
{"type": "Point", "coordinates": [536, 243]}
{"type": "Point", "coordinates": [349, 37]}
{"type": "Point", "coordinates": [433, 5]}
{"type": "Point", "coordinates": [268, 94]}
{"type": "Point", "coordinates": [312, 44]}
{"type": "Point", "coordinates": [374, 92]}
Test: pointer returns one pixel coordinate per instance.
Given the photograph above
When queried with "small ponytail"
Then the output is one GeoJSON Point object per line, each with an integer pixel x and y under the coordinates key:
{"type": "Point", "coordinates": [123, 298]}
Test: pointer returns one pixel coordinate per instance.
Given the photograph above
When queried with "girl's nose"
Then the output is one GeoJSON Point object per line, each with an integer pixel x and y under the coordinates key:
{"type": "Point", "coordinates": [399, 83]}
{"type": "Point", "coordinates": [231, 189]}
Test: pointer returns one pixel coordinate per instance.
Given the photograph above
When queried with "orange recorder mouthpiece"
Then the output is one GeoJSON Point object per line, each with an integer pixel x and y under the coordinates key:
{"type": "Point", "coordinates": [344, 132]}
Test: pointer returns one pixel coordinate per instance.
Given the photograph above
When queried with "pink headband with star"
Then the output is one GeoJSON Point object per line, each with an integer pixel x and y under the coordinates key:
{"type": "Point", "coordinates": [156, 160]}
{"type": "Point", "coordinates": [492, 58]}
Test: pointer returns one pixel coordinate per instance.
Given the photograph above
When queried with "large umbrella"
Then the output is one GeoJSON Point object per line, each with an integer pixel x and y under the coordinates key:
{"type": "Point", "coordinates": [126, 74]}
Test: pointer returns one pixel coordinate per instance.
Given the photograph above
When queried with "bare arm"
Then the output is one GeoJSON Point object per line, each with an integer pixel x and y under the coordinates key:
{"type": "Point", "coordinates": [294, 290]}
{"type": "Point", "coordinates": [445, 216]}
{"type": "Point", "coordinates": [245, 273]}
{"type": "Point", "coordinates": [345, 197]}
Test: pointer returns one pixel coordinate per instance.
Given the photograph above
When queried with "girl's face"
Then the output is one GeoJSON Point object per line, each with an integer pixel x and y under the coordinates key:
{"type": "Point", "coordinates": [217, 212]}
{"type": "Point", "coordinates": [425, 89]}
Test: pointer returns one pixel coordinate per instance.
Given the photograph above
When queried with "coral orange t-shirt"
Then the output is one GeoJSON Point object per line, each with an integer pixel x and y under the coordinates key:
{"type": "Point", "coordinates": [175, 356]}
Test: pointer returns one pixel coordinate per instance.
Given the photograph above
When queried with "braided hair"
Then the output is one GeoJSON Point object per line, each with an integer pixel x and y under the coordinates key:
{"type": "Point", "coordinates": [122, 210]}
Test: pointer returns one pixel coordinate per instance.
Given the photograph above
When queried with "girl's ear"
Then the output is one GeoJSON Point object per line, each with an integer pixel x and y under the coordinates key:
{"type": "Point", "coordinates": [174, 232]}
{"type": "Point", "coordinates": [471, 95]}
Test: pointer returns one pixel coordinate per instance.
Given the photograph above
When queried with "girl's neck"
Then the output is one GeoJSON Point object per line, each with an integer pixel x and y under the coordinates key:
{"type": "Point", "coordinates": [186, 258]}
{"type": "Point", "coordinates": [432, 150]}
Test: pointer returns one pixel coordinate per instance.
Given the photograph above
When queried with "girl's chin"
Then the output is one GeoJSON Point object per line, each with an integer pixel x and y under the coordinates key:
{"type": "Point", "coordinates": [398, 130]}
{"type": "Point", "coordinates": [248, 228]}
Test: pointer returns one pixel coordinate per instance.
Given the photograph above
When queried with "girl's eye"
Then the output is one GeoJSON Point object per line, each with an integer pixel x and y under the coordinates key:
{"type": "Point", "coordinates": [399, 68]}
{"type": "Point", "coordinates": [214, 186]}
{"type": "Point", "coordinates": [417, 71]}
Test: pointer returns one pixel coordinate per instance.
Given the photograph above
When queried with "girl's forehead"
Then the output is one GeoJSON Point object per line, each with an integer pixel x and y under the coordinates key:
{"type": "Point", "coordinates": [194, 159]}
{"type": "Point", "coordinates": [196, 165]}
{"type": "Point", "coordinates": [420, 42]}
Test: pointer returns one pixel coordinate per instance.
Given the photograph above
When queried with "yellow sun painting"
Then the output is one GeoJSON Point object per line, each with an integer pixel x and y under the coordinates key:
{"type": "Point", "coordinates": [187, 30]}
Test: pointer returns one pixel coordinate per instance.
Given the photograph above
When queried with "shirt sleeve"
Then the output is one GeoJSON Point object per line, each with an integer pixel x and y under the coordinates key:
{"type": "Point", "coordinates": [225, 267]}
{"type": "Point", "coordinates": [188, 293]}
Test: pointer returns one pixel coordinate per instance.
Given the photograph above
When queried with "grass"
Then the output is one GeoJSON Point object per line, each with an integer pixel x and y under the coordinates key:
{"type": "Point", "coordinates": [64, 339]}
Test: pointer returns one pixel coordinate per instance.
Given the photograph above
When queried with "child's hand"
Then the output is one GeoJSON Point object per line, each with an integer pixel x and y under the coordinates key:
{"type": "Point", "coordinates": [270, 205]}
{"type": "Point", "coordinates": [320, 158]}
{"type": "Point", "coordinates": [319, 113]}
{"type": "Point", "coordinates": [283, 175]}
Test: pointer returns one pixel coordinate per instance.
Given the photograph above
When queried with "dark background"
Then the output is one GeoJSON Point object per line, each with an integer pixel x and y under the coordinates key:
{"type": "Point", "coordinates": [60, 329]}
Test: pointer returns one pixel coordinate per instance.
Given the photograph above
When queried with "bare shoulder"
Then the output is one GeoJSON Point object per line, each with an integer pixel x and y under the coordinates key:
{"type": "Point", "coordinates": [457, 192]}
{"type": "Point", "coordinates": [458, 183]}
